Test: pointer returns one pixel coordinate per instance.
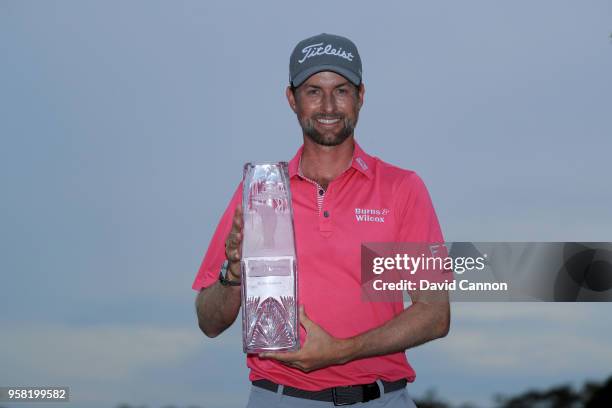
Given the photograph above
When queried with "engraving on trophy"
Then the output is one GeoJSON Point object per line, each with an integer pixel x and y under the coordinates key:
{"type": "Point", "coordinates": [271, 325]}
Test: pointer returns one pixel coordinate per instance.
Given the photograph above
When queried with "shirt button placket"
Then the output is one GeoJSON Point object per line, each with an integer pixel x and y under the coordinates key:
{"type": "Point", "coordinates": [325, 225]}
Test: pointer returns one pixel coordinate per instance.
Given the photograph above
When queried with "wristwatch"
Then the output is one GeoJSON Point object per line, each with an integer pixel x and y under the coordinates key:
{"type": "Point", "coordinates": [223, 276]}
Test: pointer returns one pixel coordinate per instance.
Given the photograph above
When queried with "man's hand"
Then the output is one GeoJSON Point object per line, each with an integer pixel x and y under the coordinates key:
{"type": "Point", "coordinates": [319, 350]}
{"type": "Point", "coordinates": [217, 306]}
{"type": "Point", "coordinates": [233, 250]}
{"type": "Point", "coordinates": [426, 319]}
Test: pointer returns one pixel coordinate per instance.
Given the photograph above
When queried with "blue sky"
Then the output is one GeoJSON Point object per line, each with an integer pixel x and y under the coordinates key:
{"type": "Point", "coordinates": [125, 125]}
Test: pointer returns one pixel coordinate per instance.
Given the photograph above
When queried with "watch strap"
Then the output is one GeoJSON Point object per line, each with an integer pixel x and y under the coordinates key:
{"type": "Point", "coordinates": [223, 276]}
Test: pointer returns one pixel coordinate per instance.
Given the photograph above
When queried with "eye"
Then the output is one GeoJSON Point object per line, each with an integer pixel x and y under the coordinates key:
{"type": "Point", "coordinates": [343, 91]}
{"type": "Point", "coordinates": [312, 91]}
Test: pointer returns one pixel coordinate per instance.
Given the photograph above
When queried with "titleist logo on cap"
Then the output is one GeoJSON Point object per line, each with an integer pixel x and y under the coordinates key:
{"type": "Point", "coordinates": [318, 49]}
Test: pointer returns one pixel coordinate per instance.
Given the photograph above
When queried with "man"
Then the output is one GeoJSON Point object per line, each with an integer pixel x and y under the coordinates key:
{"type": "Point", "coordinates": [351, 350]}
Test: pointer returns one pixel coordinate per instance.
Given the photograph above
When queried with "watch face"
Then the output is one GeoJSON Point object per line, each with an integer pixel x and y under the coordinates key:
{"type": "Point", "coordinates": [223, 276]}
{"type": "Point", "coordinates": [223, 279]}
{"type": "Point", "coordinates": [224, 267]}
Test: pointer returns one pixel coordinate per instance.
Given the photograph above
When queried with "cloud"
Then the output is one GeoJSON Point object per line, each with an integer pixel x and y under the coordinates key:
{"type": "Point", "coordinates": [519, 311]}
{"type": "Point", "coordinates": [536, 338]}
{"type": "Point", "coordinates": [543, 353]}
{"type": "Point", "coordinates": [108, 352]}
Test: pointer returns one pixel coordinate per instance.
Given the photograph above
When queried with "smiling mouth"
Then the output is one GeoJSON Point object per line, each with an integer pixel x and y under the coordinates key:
{"type": "Point", "coordinates": [328, 121]}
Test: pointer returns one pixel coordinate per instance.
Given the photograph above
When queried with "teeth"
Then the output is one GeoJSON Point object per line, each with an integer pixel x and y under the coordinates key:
{"type": "Point", "coordinates": [328, 121]}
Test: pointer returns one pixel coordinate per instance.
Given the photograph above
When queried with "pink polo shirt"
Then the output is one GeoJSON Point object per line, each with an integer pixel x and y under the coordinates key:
{"type": "Point", "coordinates": [328, 244]}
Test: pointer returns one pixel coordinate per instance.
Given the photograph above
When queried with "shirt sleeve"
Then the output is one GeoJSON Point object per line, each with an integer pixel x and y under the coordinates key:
{"type": "Point", "coordinates": [420, 233]}
{"type": "Point", "coordinates": [215, 255]}
{"type": "Point", "coordinates": [419, 221]}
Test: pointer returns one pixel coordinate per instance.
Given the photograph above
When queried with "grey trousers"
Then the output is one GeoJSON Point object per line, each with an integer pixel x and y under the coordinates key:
{"type": "Point", "coordinates": [261, 398]}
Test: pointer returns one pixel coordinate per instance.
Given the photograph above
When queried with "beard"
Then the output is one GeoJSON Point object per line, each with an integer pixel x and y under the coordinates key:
{"type": "Point", "coordinates": [330, 137]}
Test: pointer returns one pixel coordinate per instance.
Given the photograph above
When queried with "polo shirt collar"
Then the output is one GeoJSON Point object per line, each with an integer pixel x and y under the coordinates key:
{"type": "Point", "coordinates": [294, 164]}
{"type": "Point", "coordinates": [362, 162]}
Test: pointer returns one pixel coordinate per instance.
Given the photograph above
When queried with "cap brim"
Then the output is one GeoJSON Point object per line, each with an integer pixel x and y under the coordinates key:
{"type": "Point", "coordinates": [307, 73]}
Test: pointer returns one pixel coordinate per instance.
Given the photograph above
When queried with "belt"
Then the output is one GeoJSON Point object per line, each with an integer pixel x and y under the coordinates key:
{"type": "Point", "coordinates": [338, 395]}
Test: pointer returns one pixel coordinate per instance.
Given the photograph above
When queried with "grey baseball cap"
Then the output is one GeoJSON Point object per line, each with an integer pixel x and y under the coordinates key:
{"type": "Point", "coordinates": [324, 52]}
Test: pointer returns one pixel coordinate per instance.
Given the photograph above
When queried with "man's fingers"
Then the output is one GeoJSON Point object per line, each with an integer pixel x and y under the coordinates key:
{"type": "Point", "coordinates": [234, 239]}
{"type": "Point", "coordinates": [233, 255]}
{"type": "Point", "coordinates": [284, 357]}
{"type": "Point", "coordinates": [232, 250]}
{"type": "Point", "coordinates": [237, 223]}
{"type": "Point", "coordinates": [304, 320]}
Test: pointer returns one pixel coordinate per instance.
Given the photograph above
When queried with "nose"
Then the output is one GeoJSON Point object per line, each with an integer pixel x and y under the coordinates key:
{"type": "Point", "coordinates": [328, 104]}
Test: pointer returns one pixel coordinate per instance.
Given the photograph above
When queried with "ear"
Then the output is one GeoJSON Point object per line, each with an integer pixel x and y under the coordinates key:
{"type": "Point", "coordinates": [291, 99]}
{"type": "Point", "coordinates": [360, 94]}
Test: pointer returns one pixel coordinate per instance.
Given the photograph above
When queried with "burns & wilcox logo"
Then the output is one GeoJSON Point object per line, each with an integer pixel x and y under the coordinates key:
{"type": "Point", "coordinates": [371, 214]}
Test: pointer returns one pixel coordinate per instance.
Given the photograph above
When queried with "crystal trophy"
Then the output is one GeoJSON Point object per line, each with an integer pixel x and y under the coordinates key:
{"type": "Point", "coordinates": [269, 272]}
